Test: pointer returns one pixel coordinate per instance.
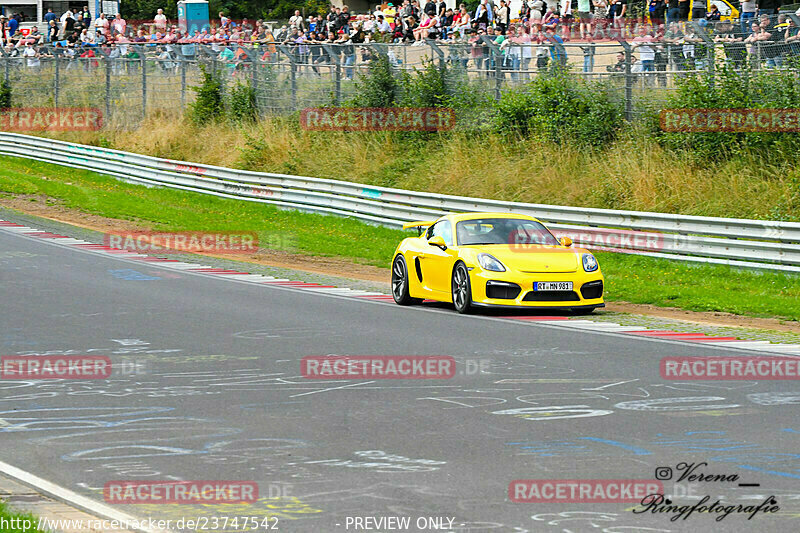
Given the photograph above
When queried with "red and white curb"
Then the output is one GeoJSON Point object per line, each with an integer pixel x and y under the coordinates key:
{"type": "Point", "coordinates": [578, 324]}
{"type": "Point", "coordinates": [174, 264]}
{"type": "Point", "coordinates": [759, 346]}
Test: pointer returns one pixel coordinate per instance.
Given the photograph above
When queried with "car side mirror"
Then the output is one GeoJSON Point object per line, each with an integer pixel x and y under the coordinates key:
{"type": "Point", "coordinates": [438, 240]}
{"type": "Point", "coordinates": [565, 241]}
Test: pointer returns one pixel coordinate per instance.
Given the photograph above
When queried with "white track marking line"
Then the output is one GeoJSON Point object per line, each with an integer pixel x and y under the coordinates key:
{"type": "Point", "coordinates": [342, 290]}
{"type": "Point", "coordinates": [783, 347]}
{"type": "Point", "coordinates": [70, 240]}
{"type": "Point", "coordinates": [332, 388]}
{"type": "Point", "coordinates": [583, 325]}
{"type": "Point", "coordinates": [745, 345]}
{"type": "Point", "coordinates": [606, 327]}
{"type": "Point", "coordinates": [73, 498]}
{"type": "Point", "coordinates": [612, 384]}
{"type": "Point", "coordinates": [769, 347]}
{"type": "Point", "coordinates": [182, 266]}
{"type": "Point", "coordinates": [250, 277]}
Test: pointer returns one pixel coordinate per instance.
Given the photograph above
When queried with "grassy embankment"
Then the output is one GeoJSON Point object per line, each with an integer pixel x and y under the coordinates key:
{"type": "Point", "coordinates": [14, 522]}
{"type": "Point", "coordinates": [635, 173]}
{"type": "Point", "coordinates": [629, 278]}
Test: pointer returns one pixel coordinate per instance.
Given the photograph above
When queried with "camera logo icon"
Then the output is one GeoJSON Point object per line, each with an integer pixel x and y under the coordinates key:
{"type": "Point", "coordinates": [663, 473]}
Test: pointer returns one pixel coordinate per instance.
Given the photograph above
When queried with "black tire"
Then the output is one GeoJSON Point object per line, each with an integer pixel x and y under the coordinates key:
{"type": "Point", "coordinates": [461, 289]}
{"type": "Point", "coordinates": [400, 283]}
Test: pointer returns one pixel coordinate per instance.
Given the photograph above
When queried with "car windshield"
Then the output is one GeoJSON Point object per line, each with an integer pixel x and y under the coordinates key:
{"type": "Point", "coordinates": [503, 231]}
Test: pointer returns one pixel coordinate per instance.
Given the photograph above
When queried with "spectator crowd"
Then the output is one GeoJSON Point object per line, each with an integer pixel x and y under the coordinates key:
{"type": "Point", "coordinates": [535, 35]}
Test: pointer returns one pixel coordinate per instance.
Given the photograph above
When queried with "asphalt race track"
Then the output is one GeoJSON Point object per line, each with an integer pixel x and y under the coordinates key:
{"type": "Point", "coordinates": [207, 386]}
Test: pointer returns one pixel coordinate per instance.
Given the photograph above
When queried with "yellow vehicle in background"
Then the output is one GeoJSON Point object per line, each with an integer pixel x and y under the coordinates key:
{"type": "Point", "coordinates": [728, 10]}
{"type": "Point", "coordinates": [494, 260]}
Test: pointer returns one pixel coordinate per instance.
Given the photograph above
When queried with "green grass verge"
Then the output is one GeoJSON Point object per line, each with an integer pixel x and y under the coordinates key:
{"type": "Point", "coordinates": [629, 278]}
{"type": "Point", "coordinates": [13, 522]}
{"type": "Point", "coordinates": [698, 287]}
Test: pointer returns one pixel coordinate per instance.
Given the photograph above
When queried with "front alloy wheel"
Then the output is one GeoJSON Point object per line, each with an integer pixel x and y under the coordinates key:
{"type": "Point", "coordinates": [462, 291]}
{"type": "Point", "coordinates": [400, 283]}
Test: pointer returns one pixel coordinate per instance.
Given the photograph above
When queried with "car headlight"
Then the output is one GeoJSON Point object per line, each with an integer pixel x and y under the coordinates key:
{"type": "Point", "coordinates": [490, 263]}
{"type": "Point", "coordinates": [590, 263]}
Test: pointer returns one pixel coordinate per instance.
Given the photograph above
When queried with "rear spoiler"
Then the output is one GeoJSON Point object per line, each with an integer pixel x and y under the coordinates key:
{"type": "Point", "coordinates": [420, 224]}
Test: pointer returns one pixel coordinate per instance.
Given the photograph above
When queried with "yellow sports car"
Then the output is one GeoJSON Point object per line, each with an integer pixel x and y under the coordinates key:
{"type": "Point", "coordinates": [494, 260]}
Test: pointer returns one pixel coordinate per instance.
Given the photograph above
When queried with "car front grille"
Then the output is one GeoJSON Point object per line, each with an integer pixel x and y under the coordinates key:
{"type": "Point", "coordinates": [591, 290]}
{"type": "Point", "coordinates": [551, 296]}
{"type": "Point", "coordinates": [502, 290]}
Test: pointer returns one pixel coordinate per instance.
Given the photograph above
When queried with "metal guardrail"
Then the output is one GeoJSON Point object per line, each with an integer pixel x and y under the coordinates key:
{"type": "Point", "coordinates": [770, 245]}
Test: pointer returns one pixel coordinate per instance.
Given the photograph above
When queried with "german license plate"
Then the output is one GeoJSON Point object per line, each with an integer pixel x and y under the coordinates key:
{"type": "Point", "coordinates": [552, 285]}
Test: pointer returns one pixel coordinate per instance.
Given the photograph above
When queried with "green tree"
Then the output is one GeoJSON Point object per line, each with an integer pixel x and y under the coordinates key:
{"type": "Point", "coordinates": [5, 95]}
{"type": "Point", "coordinates": [559, 107]}
{"type": "Point", "coordinates": [242, 103]}
{"type": "Point", "coordinates": [208, 106]}
{"type": "Point", "coordinates": [735, 89]}
{"type": "Point", "coordinates": [378, 86]}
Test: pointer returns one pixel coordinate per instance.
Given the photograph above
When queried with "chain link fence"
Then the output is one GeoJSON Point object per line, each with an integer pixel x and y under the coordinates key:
{"type": "Point", "coordinates": [127, 81]}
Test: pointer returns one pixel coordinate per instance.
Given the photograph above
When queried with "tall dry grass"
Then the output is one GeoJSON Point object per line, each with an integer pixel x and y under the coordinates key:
{"type": "Point", "coordinates": [635, 173]}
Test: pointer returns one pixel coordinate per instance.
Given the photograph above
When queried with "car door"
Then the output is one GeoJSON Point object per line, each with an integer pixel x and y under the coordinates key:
{"type": "Point", "coordinates": [437, 264]}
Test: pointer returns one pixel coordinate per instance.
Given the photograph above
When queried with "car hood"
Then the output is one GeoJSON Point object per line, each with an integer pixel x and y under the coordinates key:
{"type": "Point", "coordinates": [530, 259]}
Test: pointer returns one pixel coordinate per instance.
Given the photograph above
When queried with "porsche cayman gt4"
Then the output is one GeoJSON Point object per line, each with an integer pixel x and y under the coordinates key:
{"type": "Point", "coordinates": [494, 260]}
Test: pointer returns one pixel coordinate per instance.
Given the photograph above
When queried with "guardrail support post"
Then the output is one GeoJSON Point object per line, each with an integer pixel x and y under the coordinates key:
{"type": "Point", "coordinates": [333, 54]}
{"type": "Point", "coordinates": [56, 79]}
{"type": "Point", "coordinates": [108, 61]}
{"type": "Point", "coordinates": [144, 81]}
{"type": "Point", "coordinates": [710, 45]}
{"type": "Point", "coordinates": [183, 81]}
{"type": "Point", "coordinates": [292, 74]}
{"type": "Point", "coordinates": [294, 83]}
{"type": "Point", "coordinates": [628, 79]}
{"type": "Point", "coordinates": [497, 57]}
{"type": "Point", "coordinates": [337, 84]}
{"type": "Point", "coordinates": [251, 55]}
{"type": "Point", "coordinates": [439, 52]}
{"type": "Point", "coordinates": [254, 64]}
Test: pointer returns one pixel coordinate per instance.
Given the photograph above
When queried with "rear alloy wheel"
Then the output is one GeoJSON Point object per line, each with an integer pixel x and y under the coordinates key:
{"type": "Point", "coordinates": [462, 291]}
{"type": "Point", "coordinates": [400, 283]}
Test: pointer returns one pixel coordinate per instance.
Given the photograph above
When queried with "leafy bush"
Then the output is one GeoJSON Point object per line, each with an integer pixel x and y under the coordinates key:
{"type": "Point", "coordinates": [430, 86]}
{"type": "Point", "coordinates": [5, 95]}
{"type": "Point", "coordinates": [242, 105]}
{"type": "Point", "coordinates": [378, 86]}
{"type": "Point", "coordinates": [730, 89]}
{"type": "Point", "coordinates": [514, 112]}
{"type": "Point", "coordinates": [427, 88]}
{"type": "Point", "coordinates": [561, 108]}
{"type": "Point", "coordinates": [208, 106]}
